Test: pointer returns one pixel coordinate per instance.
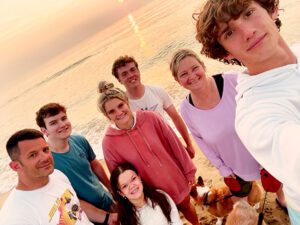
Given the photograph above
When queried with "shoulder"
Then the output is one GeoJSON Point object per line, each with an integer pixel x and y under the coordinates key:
{"type": "Point", "coordinates": [147, 117]}
{"type": "Point", "coordinates": [58, 175]}
{"type": "Point", "coordinates": [296, 49]}
{"type": "Point", "coordinates": [170, 200]}
{"type": "Point", "coordinates": [163, 192]}
{"type": "Point", "coordinates": [187, 110]}
{"type": "Point", "coordinates": [230, 75]}
{"type": "Point", "coordinates": [156, 89]}
{"type": "Point", "coordinates": [10, 202]}
{"type": "Point", "coordinates": [153, 88]}
{"type": "Point", "coordinates": [184, 105]}
{"type": "Point", "coordinates": [230, 80]}
{"type": "Point", "coordinates": [77, 138]}
{"type": "Point", "coordinates": [17, 203]}
{"type": "Point", "coordinates": [146, 114]}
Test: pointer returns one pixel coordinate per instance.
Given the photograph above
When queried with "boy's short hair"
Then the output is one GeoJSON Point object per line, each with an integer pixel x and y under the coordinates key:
{"type": "Point", "coordinates": [222, 11]}
{"type": "Point", "coordinates": [51, 109]}
{"type": "Point", "coordinates": [120, 62]}
{"type": "Point", "coordinates": [22, 135]}
{"type": "Point", "coordinates": [180, 55]}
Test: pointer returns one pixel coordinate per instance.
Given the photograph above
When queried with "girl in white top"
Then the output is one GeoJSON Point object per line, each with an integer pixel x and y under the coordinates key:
{"type": "Point", "coordinates": [137, 203]}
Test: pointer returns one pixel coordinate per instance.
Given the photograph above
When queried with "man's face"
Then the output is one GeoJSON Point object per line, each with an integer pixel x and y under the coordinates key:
{"type": "Point", "coordinates": [35, 161]}
{"type": "Point", "coordinates": [57, 127]}
{"type": "Point", "coordinates": [253, 38]}
{"type": "Point", "coordinates": [129, 75]}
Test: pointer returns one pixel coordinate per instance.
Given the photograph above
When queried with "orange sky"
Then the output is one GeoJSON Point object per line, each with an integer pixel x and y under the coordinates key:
{"type": "Point", "coordinates": [35, 31]}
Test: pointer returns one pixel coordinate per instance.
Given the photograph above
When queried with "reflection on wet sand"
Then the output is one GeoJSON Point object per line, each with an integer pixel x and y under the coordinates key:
{"type": "Point", "coordinates": [143, 44]}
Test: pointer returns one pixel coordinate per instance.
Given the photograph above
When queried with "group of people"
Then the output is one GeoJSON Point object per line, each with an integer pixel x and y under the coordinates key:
{"type": "Point", "coordinates": [242, 122]}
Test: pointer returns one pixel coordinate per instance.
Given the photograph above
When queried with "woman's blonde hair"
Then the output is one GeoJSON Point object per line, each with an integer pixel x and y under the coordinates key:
{"type": "Point", "coordinates": [108, 91]}
{"type": "Point", "coordinates": [180, 55]}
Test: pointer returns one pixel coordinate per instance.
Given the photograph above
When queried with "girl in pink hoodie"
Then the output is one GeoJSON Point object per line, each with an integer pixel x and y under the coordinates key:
{"type": "Point", "coordinates": [143, 139]}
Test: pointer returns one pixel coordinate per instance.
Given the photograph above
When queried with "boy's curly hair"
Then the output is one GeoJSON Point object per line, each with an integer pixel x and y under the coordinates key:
{"type": "Point", "coordinates": [222, 11]}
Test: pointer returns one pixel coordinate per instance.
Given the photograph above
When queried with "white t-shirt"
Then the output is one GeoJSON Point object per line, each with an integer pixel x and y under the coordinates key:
{"type": "Point", "coordinates": [155, 99]}
{"type": "Point", "coordinates": [155, 216]}
{"type": "Point", "coordinates": [56, 203]}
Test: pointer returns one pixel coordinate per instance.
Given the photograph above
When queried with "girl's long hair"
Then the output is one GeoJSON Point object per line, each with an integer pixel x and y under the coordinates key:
{"type": "Point", "coordinates": [127, 212]}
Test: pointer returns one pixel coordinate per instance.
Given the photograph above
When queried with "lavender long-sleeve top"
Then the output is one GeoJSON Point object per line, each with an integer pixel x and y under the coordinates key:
{"type": "Point", "coordinates": [215, 134]}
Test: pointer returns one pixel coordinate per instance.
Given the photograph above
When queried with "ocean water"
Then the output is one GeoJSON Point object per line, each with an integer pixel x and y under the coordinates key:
{"type": "Point", "coordinates": [150, 34]}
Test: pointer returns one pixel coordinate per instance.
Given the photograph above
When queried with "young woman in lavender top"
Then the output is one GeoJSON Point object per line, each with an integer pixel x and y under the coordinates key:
{"type": "Point", "coordinates": [209, 112]}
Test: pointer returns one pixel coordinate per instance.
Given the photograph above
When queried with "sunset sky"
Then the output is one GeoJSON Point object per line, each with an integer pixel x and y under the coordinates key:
{"type": "Point", "coordinates": [33, 31]}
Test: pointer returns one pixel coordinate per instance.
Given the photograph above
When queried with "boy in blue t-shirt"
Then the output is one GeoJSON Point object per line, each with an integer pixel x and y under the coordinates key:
{"type": "Point", "coordinates": [74, 156]}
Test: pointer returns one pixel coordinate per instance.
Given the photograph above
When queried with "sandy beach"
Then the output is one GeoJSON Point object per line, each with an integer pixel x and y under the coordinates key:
{"type": "Point", "coordinates": [273, 214]}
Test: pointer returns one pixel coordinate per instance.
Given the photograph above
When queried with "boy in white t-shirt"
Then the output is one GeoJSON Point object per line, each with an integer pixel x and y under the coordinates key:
{"type": "Point", "coordinates": [147, 97]}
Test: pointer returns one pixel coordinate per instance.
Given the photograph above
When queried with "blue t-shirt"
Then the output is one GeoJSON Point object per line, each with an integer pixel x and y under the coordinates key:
{"type": "Point", "coordinates": [75, 164]}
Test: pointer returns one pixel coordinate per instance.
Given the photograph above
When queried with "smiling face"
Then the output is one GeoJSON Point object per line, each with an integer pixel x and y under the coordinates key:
{"type": "Point", "coordinates": [190, 73]}
{"type": "Point", "coordinates": [129, 75]}
{"type": "Point", "coordinates": [35, 162]}
{"type": "Point", "coordinates": [119, 113]}
{"type": "Point", "coordinates": [57, 126]}
{"type": "Point", "coordinates": [252, 38]}
{"type": "Point", "coordinates": [130, 186]}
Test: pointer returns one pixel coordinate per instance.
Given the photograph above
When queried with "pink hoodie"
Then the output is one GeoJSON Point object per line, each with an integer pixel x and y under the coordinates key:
{"type": "Point", "coordinates": [156, 152]}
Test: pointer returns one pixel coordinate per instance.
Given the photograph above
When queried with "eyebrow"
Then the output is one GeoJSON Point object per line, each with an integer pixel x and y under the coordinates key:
{"type": "Point", "coordinates": [129, 181]}
{"type": "Point", "coordinates": [223, 31]}
{"type": "Point", "coordinates": [52, 121]}
{"type": "Point", "coordinates": [46, 147]}
{"type": "Point", "coordinates": [122, 185]}
{"type": "Point", "coordinates": [29, 153]}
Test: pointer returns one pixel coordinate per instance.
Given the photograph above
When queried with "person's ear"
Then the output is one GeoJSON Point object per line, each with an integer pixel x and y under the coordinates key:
{"type": "Point", "coordinates": [44, 131]}
{"type": "Point", "coordinates": [118, 78]}
{"type": "Point", "coordinates": [15, 165]}
{"type": "Point", "coordinates": [228, 56]}
{"type": "Point", "coordinates": [275, 13]}
{"type": "Point", "coordinates": [122, 195]}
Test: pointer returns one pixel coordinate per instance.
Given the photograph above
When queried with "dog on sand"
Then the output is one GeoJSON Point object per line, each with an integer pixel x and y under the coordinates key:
{"type": "Point", "coordinates": [243, 214]}
{"type": "Point", "coordinates": [218, 201]}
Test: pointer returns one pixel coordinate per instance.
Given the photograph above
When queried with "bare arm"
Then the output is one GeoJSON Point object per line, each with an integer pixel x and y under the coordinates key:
{"type": "Point", "coordinates": [100, 173]}
{"type": "Point", "coordinates": [182, 129]}
{"type": "Point", "coordinates": [97, 215]}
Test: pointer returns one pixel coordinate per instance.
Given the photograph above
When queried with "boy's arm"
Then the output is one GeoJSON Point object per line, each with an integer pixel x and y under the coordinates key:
{"type": "Point", "coordinates": [100, 173]}
{"type": "Point", "coordinates": [182, 129]}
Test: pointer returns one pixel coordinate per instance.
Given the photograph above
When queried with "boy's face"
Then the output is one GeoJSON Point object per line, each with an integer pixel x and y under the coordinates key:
{"type": "Point", "coordinates": [129, 75]}
{"type": "Point", "coordinates": [252, 38]}
{"type": "Point", "coordinates": [57, 126]}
